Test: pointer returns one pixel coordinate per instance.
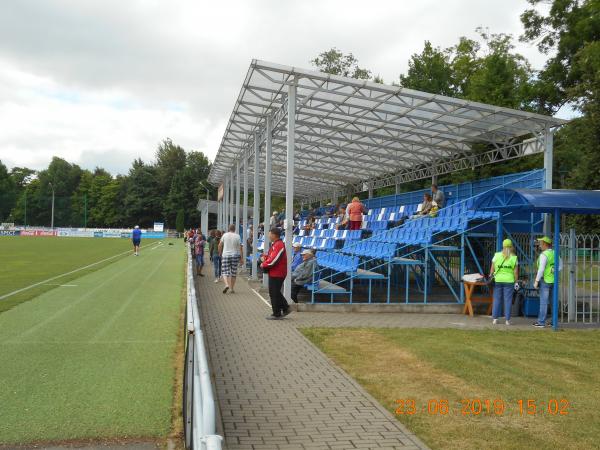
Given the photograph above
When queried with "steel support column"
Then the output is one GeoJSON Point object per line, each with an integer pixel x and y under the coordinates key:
{"type": "Point", "coordinates": [555, 290]}
{"type": "Point", "coordinates": [245, 210]}
{"type": "Point", "coordinates": [267, 212]}
{"type": "Point", "coordinates": [237, 200]}
{"type": "Point", "coordinates": [289, 188]}
{"type": "Point", "coordinates": [231, 198]}
{"type": "Point", "coordinates": [226, 204]}
{"type": "Point", "coordinates": [255, 210]}
{"type": "Point", "coordinates": [548, 166]}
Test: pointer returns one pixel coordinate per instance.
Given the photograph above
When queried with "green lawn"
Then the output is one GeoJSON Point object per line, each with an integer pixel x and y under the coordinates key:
{"type": "Point", "coordinates": [94, 360]}
{"type": "Point", "coordinates": [28, 260]}
{"type": "Point", "coordinates": [459, 366]}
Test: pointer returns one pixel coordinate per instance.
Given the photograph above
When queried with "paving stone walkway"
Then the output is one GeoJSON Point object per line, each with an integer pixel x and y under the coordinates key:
{"type": "Point", "coordinates": [275, 390]}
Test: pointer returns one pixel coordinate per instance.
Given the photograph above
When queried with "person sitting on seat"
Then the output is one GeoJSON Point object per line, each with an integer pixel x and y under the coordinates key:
{"type": "Point", "coordinates": [303, 273]}
{"type": "Point", "coordinates": [343, 219]}
{"type": "Point", "coordinates": [425, 207]}
{"type": "Point", "coordinates": [296, 255]}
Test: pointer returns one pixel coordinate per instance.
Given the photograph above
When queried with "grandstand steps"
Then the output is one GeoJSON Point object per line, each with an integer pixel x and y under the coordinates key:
{"type": "Point", "coordinates": [430, 308]}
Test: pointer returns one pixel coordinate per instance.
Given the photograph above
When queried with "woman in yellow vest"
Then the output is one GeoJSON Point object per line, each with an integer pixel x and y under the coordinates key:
{"type": "Point", "coordinates": [544, 278]}
{"type": "Point", "coordinates": [505, 271]}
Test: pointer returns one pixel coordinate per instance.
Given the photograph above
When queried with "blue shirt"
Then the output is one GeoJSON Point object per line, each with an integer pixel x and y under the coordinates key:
{"type": "Point", "coordinates": [296, 260]}
{"type": "Point", "coordinates": [137, 234]}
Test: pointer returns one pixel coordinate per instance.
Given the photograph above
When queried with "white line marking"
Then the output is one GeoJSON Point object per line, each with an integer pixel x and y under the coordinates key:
{"type": "Point", "coordinates": [126, 303]}
{"type": "Point", "coordinates": [261, 297]}
{"type": "Point", "coordinates": [61, 285]}
{"type": "Point", "coordinates": [10, 294]}
{"type": "Point", "coordinates": [70, 305]}
{"type": "Point", "coordinates": [457, 323]}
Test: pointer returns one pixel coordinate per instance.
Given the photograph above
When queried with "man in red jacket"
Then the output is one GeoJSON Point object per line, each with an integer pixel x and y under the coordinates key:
{"type": "Point", "coordinates": [275, 263]}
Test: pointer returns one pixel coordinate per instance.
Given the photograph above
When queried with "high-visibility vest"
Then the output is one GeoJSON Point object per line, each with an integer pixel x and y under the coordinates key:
{"type": "Point", "coordinates": [549, 269]}
{"type": "Point", "coordinates": [504, 268]}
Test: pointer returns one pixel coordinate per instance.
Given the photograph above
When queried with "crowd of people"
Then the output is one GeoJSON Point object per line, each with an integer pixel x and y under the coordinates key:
{"type": "Point", "coordinates": [225, 252]}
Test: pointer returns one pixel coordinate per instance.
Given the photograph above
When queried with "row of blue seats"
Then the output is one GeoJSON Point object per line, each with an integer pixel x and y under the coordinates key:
{"type": "Point", "coordinates": [437, 224]}
{"type": "Point", "coordinates": [331, 233]}
{"type": "Point", "coordinates": [403, 235]}
{"type": "Point", "coordinates": [370, 249]}
{"type": "Point", "coordinates": [337, 261]}
{"type": "Point", "coordinates": [314, 242]}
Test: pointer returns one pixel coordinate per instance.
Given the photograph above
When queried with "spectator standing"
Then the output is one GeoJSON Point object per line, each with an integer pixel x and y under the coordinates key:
{"type": "Point", "coordinates": [438, 196]}
{"type": "Point", "coordinates": [275, 263]}
{"type": "Point", "coordinates": [199, 244]}
{"type": "Point", "coordinates": [544, 279]}
{"type": "Point", "coordinates": [297, 256]}
{"type": "Point", "coordinates": [230, 250]}
{"type": "Point", "coordinates": [303, 274]}
{"type": "Point", "coordinates": [136, 239]}
{"type": "Point", "coordinates": [505, 270]}
{"type": "Point", "coordinates": [213, 248]}
{"type": "Point", "coordinates": [355, 211]}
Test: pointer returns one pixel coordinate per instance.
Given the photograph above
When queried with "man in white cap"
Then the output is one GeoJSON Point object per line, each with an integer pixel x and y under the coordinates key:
{"type": "Point", "coordinates": [296, 256]}
{"type": "Point", "coordinates": [273, 220]}
{"type": "Point", "coordinates": [303, 273]}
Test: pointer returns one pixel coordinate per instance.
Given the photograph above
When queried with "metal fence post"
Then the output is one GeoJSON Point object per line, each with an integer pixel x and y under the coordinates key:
{"type": "Point", "coordinates": [571, 303]}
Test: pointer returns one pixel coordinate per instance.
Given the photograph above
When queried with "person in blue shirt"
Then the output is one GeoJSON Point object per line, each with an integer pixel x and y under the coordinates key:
{"type": "Point", "coordinates": [296, 256]}
{"type": "Point", "coordinates": [136, 237]}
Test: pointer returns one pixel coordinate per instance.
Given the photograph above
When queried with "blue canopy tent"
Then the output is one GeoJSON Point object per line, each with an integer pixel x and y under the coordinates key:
{"type": "Point", "coordinates": [549, 201]}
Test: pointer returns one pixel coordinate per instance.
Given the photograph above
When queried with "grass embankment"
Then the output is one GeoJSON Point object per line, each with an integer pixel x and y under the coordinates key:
{"type": "Point", "coordinates": [467, 368]}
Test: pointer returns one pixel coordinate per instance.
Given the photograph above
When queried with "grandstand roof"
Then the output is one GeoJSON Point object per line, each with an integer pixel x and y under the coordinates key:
{"type": "Point", "coordinates": [540, 200]}
{"type": "Point", "coordinates": [352, 131]}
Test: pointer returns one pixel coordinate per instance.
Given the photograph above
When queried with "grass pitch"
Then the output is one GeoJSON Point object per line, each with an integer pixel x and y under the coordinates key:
{"type": "Point", "coordinates": [94, 360]}
{"type": "Point", "coordinates": [466, 368]}
{"type": "Point", "coordinates": [28, 260]}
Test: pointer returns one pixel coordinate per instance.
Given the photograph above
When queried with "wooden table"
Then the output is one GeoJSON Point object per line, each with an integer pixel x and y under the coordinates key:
{"type": "Point", "coordinates": [469, 300]}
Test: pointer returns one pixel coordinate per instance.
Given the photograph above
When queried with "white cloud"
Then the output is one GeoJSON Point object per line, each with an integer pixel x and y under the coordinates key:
{"type": "Point", "coordinates": [100, 83]}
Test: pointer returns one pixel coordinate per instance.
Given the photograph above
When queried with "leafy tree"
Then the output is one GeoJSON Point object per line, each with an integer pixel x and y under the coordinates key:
{"type": "Point", "coordinates": [8, 192]}
{"type": "Point", "coordinates": [143, 198]}
{"type": "Point", "coordinates": [333, 61]}
{"type": "Point", "coordinates": [179, 221]}
{"type": "Point", "coordinates": [430, 71]}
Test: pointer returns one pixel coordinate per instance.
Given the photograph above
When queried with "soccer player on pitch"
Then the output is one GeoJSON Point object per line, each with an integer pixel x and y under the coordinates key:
{"type": "Point", "coordinates": [136, 237]}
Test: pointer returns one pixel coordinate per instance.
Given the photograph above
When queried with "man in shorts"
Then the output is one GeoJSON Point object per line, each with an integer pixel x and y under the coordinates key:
{"type": "Point", "coordinates": [136, 238]}
{"type": "Point", "coordinates": [230, 250]}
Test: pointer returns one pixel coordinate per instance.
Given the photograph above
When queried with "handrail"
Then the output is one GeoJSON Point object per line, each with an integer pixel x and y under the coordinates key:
{"type": "Point", "coordinates": [199, 408]}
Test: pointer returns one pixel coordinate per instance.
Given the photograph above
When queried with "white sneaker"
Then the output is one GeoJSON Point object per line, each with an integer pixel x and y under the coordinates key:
{"type": "Point", "coordinates": [508, 322]}
{"type": "Point", "coordinates": [495, 322]}
{"type": "Point", "coordinates": [216, 280]}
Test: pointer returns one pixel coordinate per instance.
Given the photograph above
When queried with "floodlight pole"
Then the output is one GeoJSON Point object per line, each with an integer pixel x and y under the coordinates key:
{"type": "Point", "coordinates": [289, 187]}
{"type": "Point", "coordinates": [267, 212]}
{"type": "Point", "coordinates": [255, 210]}
{"type": "Point", "coordinates": [245, 209]}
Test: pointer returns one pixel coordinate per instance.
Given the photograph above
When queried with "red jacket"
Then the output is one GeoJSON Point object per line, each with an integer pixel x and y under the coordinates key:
{"type": "Point", "coordinates": [276, 260]}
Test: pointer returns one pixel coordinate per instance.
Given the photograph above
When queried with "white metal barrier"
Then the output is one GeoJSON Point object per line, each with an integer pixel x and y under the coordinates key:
{"type": "Point", "coordinates": [198, 398]}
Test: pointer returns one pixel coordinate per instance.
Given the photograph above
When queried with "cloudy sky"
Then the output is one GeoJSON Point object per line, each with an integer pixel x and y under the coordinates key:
{"type": "Point", "coordinates": [100, 83]}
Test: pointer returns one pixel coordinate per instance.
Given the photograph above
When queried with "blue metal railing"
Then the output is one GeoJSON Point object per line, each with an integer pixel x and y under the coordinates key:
{"type": "Point", "coordinates": [199, 409]}
{"type": "Point", "coordinates": [524, 180]}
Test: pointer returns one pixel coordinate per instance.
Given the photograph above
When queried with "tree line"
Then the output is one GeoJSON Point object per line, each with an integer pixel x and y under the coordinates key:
{"type": "Point", "coordinates": [166, 190]}
{"type": "Point", "coordinates": [489, 70]}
